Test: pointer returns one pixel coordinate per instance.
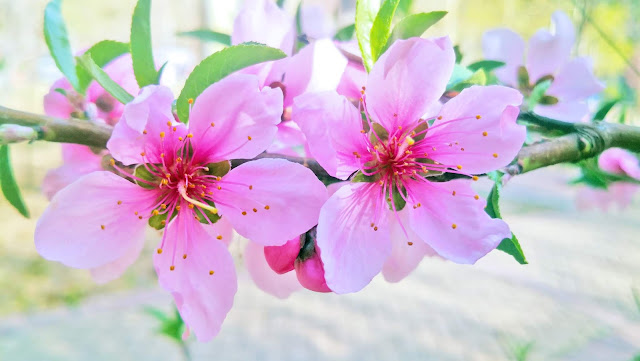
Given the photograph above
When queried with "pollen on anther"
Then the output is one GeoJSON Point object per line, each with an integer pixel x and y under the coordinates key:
{"type": "Point", "coordinates": [250, 187]}
{"type": "Point", "coordinates": [155, 212]}
{"type": "Point", "coordinates": [139, 217]}
{"type": "Point", "coordinates": [255, 210]}
{"type": "Point", "coordinates": [454, 226]}
{"type": "Point", "coordinates": [159, 251]}
{"type": "Point", "coordinates": [189, 135]}
{"type": "Point", "coordinates": [190, 100]}
{"type": "Point", "coordinates": [144, 131]}
{"type": "Point", "coordinates": [169, 123]}
{"type": "Point", "coordinates": [184, 256]}
{"type": "Point", "coordinates": [177, 208]}
{"type": "Point", "coordinates": [163, 206]}
{"type": "Point", "coordinates": [219, 237]}
{"type": "Point", "coordinates": [478, 117]}
{"type": "Point", "coordinates": [440, 117]}
{"type": "Point", "coordinates": [161, 134]}
{"type": "Point", "coordinates": [190, 206]}
{"type": "Point", "coordinates": [244, 213]}
{"type": "Point", "coordinates": [119, 202]}
{"type": "Point", "coordinates": [213, 124]}
{"type": "Point", "coordinates": [459, 167]}
{"type": "Point", "coordinates": [136, 213]}
{"type": "Point", "coordinates": [375, 228]}
{"type": "Point", "coordinates": [476, 197]}
{"type": "Point", "coordinates": [484, 134]}
{"type": "Point", "coordinates": [362, 131]}
{"type": "Point", "coordinates": [453, 193]}
{"type": "Point", "coordinates": [142, 154]}
{"type": "Point", "coordinates": [475, 177]}
{"type": "Point", "coordinates": [102, 226]}
{"type": "Point", "coordinates": [112, 162]}
{"type": "Point", "coordinates": [495, 155]}
{"type": "Point", "coordinates": [175, 129]}
{"type": "Point", "coordinates": [172, 268]}
{"type": "Point", "coordinates": [248, 137]}
{"type": "Point", "coordinates": [211, 273]}
{"type": "Point", "coordinates": [161, 155]}
{"type": "Point", "coordinates": [266, 207]}
{"type": "Point", "coordinates": [410, 243]}
{"type": "Point", "coordinates": [219, 187]}
{"type": "Point", "coordinates": [180, 139]}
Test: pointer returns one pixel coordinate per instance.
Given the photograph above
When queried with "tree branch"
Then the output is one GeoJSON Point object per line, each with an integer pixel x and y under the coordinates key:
{"type": "Point", "coordinates": [583, 141]}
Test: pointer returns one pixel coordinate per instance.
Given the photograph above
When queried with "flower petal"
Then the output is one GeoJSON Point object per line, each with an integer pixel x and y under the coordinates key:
{"type": "Point", "coordinates": [352, 251]}
{"type": "Point", "coordinates": [103, 230]}
{"type": "Point", "coordinates": [222, 230]}
{"type": "Point", "coordinates": [234, 119]}
{"type": "Point", "coordinates": [279, 285]}
{"type": "Point", "coordinates": [56, 104]}
{"type": "Point", "coordinates": [119, 70]}
{"type": "Point", "coordinates": [548, 52]}
{"type": "Point", "coordinates": [407, 78]}
{"type": "Point", "coordinates": [143, 121]}
{"type": "Point", "coordinates": [352, 81]}
{"type": "Point", "coordinates": [478, 145]}
{"type": "Point", "coordinates": [619, 161]}
{"type": "Point", "coordinates": [310, 273]}
{"type": "Point", "coordinates": [567, 111]}
{"type": "Point", "coordinates": [455, 226]}
{"type": "Point", "coordinates": [115, 269]}
{"type": "Point", "coordinates": [282, 258]}
{"type": "Point", "coordinates": [264, 22]}
{"type": "Point", "coordinates": [332, 127]}
{"type": "Point", "coordinates": [204, 283]}
{"type": "Point", "coordinates": [407, 249]}
{"type": "Point", "coordinates": [575, 81]}
{"type": "Point", "coordinates": [270, 201]}
{"type": "Point", "coordinates": [506, 46]}
{"type": "Point", "coordinates": [78, 160]}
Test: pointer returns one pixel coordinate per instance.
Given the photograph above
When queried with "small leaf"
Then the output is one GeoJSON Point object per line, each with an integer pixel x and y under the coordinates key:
{"type": "Point", "coordinates": [208, 35]}
{"type": "Point", "coordinates": [523, 78]}
{"type": "Point", "coordinates": [478, 78]}
{"type": "Point", "coordinates": [605, 108]}
{"type": "Point", "coordinates": [219, 169]}
{"type": "Point", "coordinates": [361, 177]}
{"type": "Point", "coordinates": [143, 173]}
{"type": "Point", "coordinates": [381, 28]}
{"type": "Point", "coordinates": [404, 7]}
{"type": "Point", "coordinates": [456, 49]}
{"type": "Point", "coordinates": [487, 65]}
{"type": "Point", "coordinates": [144, 67]}
{"type": "Point", "coordinates": [460, 73]}
{"type": "Point", "coordinates": [55, 35]}
{"type": "Point", "coordinates": [548, 100]}
{"type": "Point", "coordinates": [8, 183]}
{"type": "Point", "coordinates": [103, 79]}
{"type": "Point", "coordinates": [219, 65]}
{"type": "Point", "coordinates": [538, 93]}
{"type": "Point", "coordinates": [101, 53]}
{"type": "Point", "coordinates": [366, 11]}
{"type": "Point", "coordinates": [414, 26]}
{"type": "Point", "coordinates": [508, 245]}
{"type": "Point", "coordinates": [346, 33]}
{"type": "Point", "coordinates": [280, 3]}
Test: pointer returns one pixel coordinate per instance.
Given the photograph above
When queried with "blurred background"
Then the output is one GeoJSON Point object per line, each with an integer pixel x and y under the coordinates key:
{"type": "Point", "coordinates": [578, 299]}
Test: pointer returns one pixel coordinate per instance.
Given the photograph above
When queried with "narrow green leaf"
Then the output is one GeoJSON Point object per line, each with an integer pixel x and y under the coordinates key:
{"type": "Point", "coordinates": [459, 55]}
{"type": "Point", "coordinates": [366, 11]}
{"type": "Point", "coordinates": [101, 53]}
{"type": "Point", "coordinates": [460, 73]}
{"type": "Point", "coordinates": [414, 26]}
{"type": "Point", "coordinates": [208, 35]}
{"type": "Point", "coordinates": [404, 7]}
{"type": "Point", "coordinates": [144, 67]}
{"type": "Point", "coordinates": [8, 183]}
{"type": "Point", "coordinates": [381, 28]}
{"type": "Point", "coordinates": [511, 245]}
{"type": "Point", "coordinates": [538, 93]}
{"type": "Point", "coordinates": [280, 3]}
{"type": "Point", "coordinates": [605, 108]}
{"type": "Point", "coordinates": [346, 33]}
{"type": "Point", "coordinates": [477, 78]}
{"type": "Point", "coordinates": [103, 79]}
{"type": "Point", "coordinates": [55, 34]}
{"type": "Point", "coordinates": [487, 65]}
{"type": "Point", "coordinates": [219, 65]}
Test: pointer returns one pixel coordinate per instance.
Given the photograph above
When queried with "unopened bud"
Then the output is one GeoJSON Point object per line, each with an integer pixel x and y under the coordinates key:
{"type": "Point", "coordinates": [282, 258]}
{"type": "Point", "coordinates": [13, 133]}
{"type": "Point", "coordinates": [310, 273]}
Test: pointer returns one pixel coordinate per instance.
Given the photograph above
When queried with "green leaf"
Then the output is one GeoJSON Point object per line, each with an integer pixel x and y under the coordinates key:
{"type": "Point", "coordinates": [487, 65]}
{"type": "Point", "coordinates": [538, 93]}
{"type": "Point", "coordinates": [8, 183]}
{"type": "Point", "coordinates": [523, 78]}
{"type": "Point", "coordinates": [280, 3]}
{"type": "Point", "coordinates": [459, 56]}
{"type": "Point", "coordinates": [103, 79]}
{"type": "Point", "coordinates": [144, 67]}
{"type": "Point", "coordinates": [346, 33]}
{"type": "Point", "coordinates": [55, 34]}
{"type": "Point", "coordinates": [414, 26]}
{"type": "Point", "coordinates": [366, 11]}
{"type": "Point", "coordinates": [361, 177]}
{"type": "Point", "coordinates": [605, 108]}
{"type": "Point", "coordinates": [208, 35]}
{"type": "Point", "coordinates": [477, 78]}
{"type": "Point", "coordinates": [508, 245]}
{"type": "Point", "coordinates": [381, 28]}
{"type": "Point", "coordinates": [143, 173]}
{"type": "Point", "coordinates": [218, 66]}
{"type": "Point", "coordinates": [404, 7]}
{"type": "Point", "coordinates": [460, 73]}
{"type": "Point", "coordinates": [548, 100]}
{"type": "Point", "coordinates": [101, 53]}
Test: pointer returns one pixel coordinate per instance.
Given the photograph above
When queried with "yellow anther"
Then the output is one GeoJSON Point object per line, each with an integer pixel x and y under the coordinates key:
{"type": "Point", "coordinates": [475, 177]}
{"type": "Point", "coordinates": [180, 139]}
{"type": "Point", "coordinates": [440, 117]}
{"type": "Point", "coordinates": [189, 135]}
{"type": "Point", "coordinates": [112, 162]}
{"type": "Point", "coordinates": [190, 206]}
{"type": "Point", "coordinates": [159, 251]}
{"type": "Point", "coordinates": [136, 213]}
{"type": "Point", "coordinates": [219, 188]}
{"type": "Point", "coordinates": [179, 160]}
{"type": "Point", "coordinates": [410, 243]}
{"type": "Point", "coordinates": [177, 208]}
{"type": "Point", "coordinates": [144, 131]}
{"type": "Point", "coordinates": [266, 207]}
{"type": "Point", "coordinates": [119, 202]}
{"type": "Point", "coordinates": [454, 226]}
{"type": "Point", "coordinates": [419, 205]}
{"type": "Point", "coordinates": [362, 131]}
{"type": "Point", "coordinates": [372, 224]}
{"type": "Point", "coordinates": [484, 134]}
{"type": "Point", "coordinates": [102, 226]}
{"type": "Point", "coordinates": [161, 134]}
{"type": "Point", "coordinates": [202, 194]}
{"type": "Point", "coordinates": [255, 210]}
{"type": "Point", "coordinates": [155, 212]}
{"type": "Point", "coordinates": [476, 197]}
{"type": "Point", "coordinates": [192, 185]}
{"type": "Point", "coordinates": [375, 228]}
{"type": "Point", "coordinates": [184, 256]}
{"type": "Point", "coordinates": [172, 268]}
{"type": "Point", "coordinates": [453, 193]}
{"type": "Point", "coordinates": [161, 155]}
{"type": "Point", "coordinates": [459, 167]}
{"type": "Point", "coordinates": [213, 124]}
{"type": "Point", "coordinates": [244, 213]}
{"type": "Point", "coordinates": [219, 237]}
{"type": "Point", "coordinates": [209, 192]}
{"type": "Point", "coordinates": [478, 117]}
{"type": "Point", "coordinates": [190, 100]}
{"type": "Point", "coordinates": [249, 137]}
{"type": "Point", "coordinates": [175, 128]}
{"type": "Point", "coordinates": [211, 273]}
{"type": "Point", "coordinates": [142, 154]}
{"type": "Point", "coordinates": [163, 206]}
{"type": "Point", "coordinates": [410, 140]}
{"type": "Point", "coordinates": [433, 148]}
{"type": "Point", "coordinates": [495, 155]}
{"type": "Point", "coordinates": [250, 187]}
{"type": "Point", "coordinates": [169, 123]}
{"type": "Point", "coordinates": [407, 152]}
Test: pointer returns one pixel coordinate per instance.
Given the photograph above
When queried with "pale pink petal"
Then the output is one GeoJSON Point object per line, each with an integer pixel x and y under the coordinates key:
{"type": "Point", "coordinates": [506, 46]}
{"type": "Point", "coordinates": [619, 161]}
{"type": "Point", "coordinates": [281, 258]}
{"type": "Point", "coordinates": [567, 111]}
{"type": "Point", "coordinates": [221, 230]}
{"type": "Point", "coordinates": [588, 197]}
{"type": "Point", "coordinates": [121, 71]}
{"type": "Point", "coordinates": [478, 144]}
{"type": "Point", "coordinates": [352, 81]}
{"type": "Point", "coordinates": [622, 193]}
{"type": "Point", "coordinates": [332, 127]}
{"type": "Point", "coordinates": [279, 285]}
{"type": "Point", "coordinates": [455, 226]}
{"type": "Point", "coordinates": [203, 297]}
{"type": "Point", "coordinates": [270, 201]}
{"type": "Point", "coordinates": [353, 251]}
{"type": "Point", "coordinates": [137, 138]}
{"type": "Point", "coordinates": [289, 140]}
{"type": "Point", "coordinates": [233, 119]}
{"type": "Point", "coordinates": [575, 81]}
{"type": "Point", "coordinates": [310, 273]}
{"type": "Point", "coordinates": [407, 249]}
{"type": "Point", "coordinates": [262, 21]}
{"type": "Point", "coordinates": [115, 269]}
{"type": "Point", "coordinates": [56, 104]}
{"type": "Point", "coordinates": [317, 67]}
{"type": "Point", "coordinates": [548, 52]}
{"type": "Point", "coordinates": [85, 227]}
{"type": "Point", "coordinates": [316, 21]}
{"type": "Point", "coordinates": [407, 78]}
{"type": "Point", "coordinates": [79, 160]}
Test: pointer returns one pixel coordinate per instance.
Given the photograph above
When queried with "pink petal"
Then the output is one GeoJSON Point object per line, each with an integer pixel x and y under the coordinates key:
{"type": "Point", "coordinates": [280, 199]}
{"type": "Point", "coordinates": [548, 52]}
{"type": "Point", "coordinates": [56, 104]}
{"type": "Point", "coordinates": [89, 204]}
{"type": "Point", "coordinates": [143, 121]}
{"type": "Point", "coordinates": [475, 233]}
{"type": "Point", "coordinates": [497, 107]}
{"type": "Point", "coordinates": [619, 161]}
{"type": "Point", "coordinates": [203, 298]}
{"type": "Point", "coordinates": [221, 230]}
{"type": "Point", "coordinates": [289, 140]}
{"type": "Point", "coordinates": [281, 258]}
{"type": "Point", "coordinates": [506, 46]}
{"type": "Point", "coordinates": [622, 193]}
{"type": "Point", "coordinates": [568, 111]}
{"type": "Point", "coordinates": [410, 76]}
{"type": "Point", "coordinates": [332, 126]}
{"type": "Point", "coordinates": [317, 67]}
{"type": "Point", "coordinates": [264, 22]}
{"type": "Point", "coordinates": [575, 81]}
{"type": "Point", "coordinates": [351, 250]}
{"type": "Point", "coordinates": [121, 71]}
{"type": "Point", "coordinates": [244, 119]}
{"type": "Point", "coordinates": [352, 81]}
{"type": "Point", "coordinates": [404, 257]}
{"type": "Point", "coordinates": [279, 285]}
{"type": "Point", "coordinates": [310, 274]}
{"type": "Point", "coordinates": [316, 21]}
{"type": "Point", "coordinates": [115, 269]}
{"type": "Point", "coordinates": [78, 160]}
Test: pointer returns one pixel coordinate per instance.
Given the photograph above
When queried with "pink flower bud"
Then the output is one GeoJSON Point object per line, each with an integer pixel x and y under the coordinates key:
{"type": "Point", "coordinates": [311, 274]}
{"type": "Point", "coordinates": [281, 258]}
{"type": "Point", "coordinates": [12, 133]}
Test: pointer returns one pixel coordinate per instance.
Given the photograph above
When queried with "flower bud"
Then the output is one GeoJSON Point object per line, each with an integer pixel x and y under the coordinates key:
{"type": "Point", "coordinates": [281, 258]}
{"type": "Point", "coordinates": [310, 274]}
{"type": "Point", "coordinates": [12, 133]}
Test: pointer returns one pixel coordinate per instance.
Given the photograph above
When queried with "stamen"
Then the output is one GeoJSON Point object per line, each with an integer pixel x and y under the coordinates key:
{"type": "Point", "coordinates": [182, 189]}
